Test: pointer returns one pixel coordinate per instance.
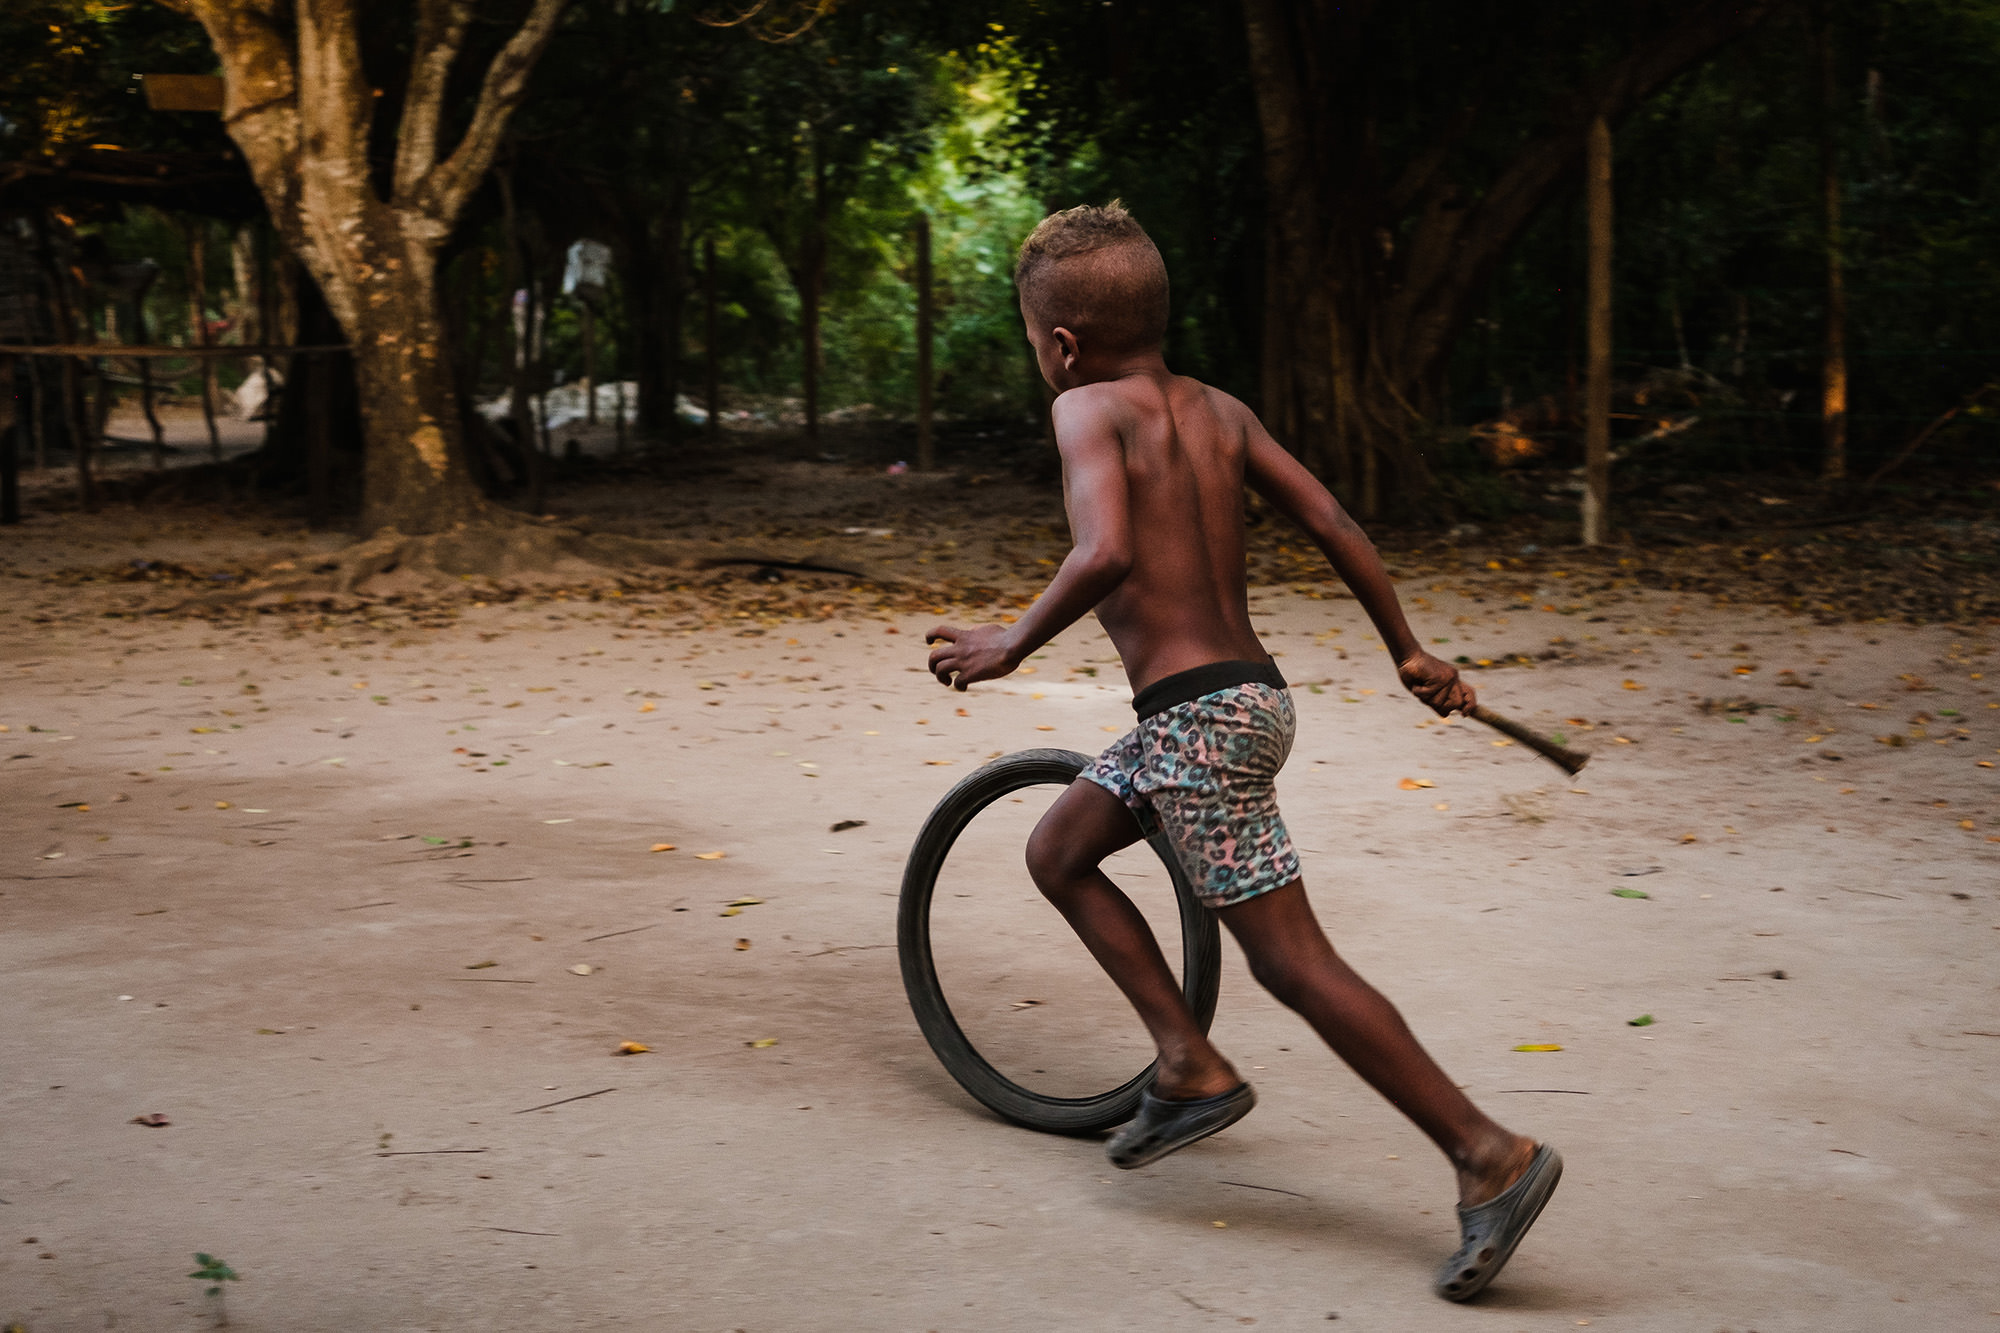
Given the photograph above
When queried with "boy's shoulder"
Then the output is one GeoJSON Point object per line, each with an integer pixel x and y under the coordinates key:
{"type": "Point", "coordinates": [1118, 399]}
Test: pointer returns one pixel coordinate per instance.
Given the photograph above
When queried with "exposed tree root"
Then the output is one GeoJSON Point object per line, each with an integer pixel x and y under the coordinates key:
{"type": "Point", "coordinates": [464, 561]}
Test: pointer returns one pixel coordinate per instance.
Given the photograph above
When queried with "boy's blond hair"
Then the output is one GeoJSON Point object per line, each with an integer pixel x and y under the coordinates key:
{"type": "Point", "coordinates": [1094, 271]}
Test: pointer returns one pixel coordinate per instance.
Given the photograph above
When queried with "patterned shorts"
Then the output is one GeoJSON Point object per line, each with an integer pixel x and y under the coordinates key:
{"type": "Point", "coordinates": [1204, 772]}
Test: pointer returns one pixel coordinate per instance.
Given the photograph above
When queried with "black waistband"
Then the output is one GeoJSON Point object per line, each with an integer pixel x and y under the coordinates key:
{"type": "Point", "coordinates": [1187, 686]}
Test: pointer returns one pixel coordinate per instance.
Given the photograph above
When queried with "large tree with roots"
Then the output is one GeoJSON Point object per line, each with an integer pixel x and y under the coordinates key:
{"type": "Point", "coordinates": [1390, 205]}
{"type": "Point", "coordinates": [301, 107]}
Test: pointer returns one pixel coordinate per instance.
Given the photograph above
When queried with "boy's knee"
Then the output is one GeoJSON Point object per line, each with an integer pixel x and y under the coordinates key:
{"type": "Point", "coordinates": [1282, 976]}
{"type": "Point", "coordinates": [1051, 864]}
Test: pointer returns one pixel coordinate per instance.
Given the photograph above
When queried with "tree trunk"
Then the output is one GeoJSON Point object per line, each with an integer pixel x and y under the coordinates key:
{"type": "Point", "coordinates": [710, 354]}
{"type": "Point", "coordinates": [1597, 371]}
{"type": "Point", "coordinates": [414, 476]}
{"type": "Point", "coordinates": [812, 276]}
{"type": "Point", "coordinates": [1372, 269]}
{"type": "Point", "coordinates": [1833, 386]}
{"type": "Point", "coordinates": [926, 450]}
{"type": "Point", "coordinates": [300, 107]}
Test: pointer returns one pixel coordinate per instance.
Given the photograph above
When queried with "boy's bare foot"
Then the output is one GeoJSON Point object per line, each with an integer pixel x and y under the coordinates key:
{"type": "Point", "coordinates": [1497, 1166]}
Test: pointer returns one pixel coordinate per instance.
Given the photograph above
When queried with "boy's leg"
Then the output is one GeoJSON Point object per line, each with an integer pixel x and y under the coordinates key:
{"type": "Point", "coordinates": [1291, 956]}
{"type": "Point", "coordinates": [1084, 826]}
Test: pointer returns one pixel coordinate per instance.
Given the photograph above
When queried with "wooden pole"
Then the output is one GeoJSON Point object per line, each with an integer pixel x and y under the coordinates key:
{"type": "Point", "coordinates": [711, 358]}
{"type": "Point", "coordinates": [1597, 336]}
{"type": "Point", "coordinates": [1833, 386]}
{"type": "Point", "coordinates": [926, 446]}
{"type": "Point", "coordinates": [197, 247]}
{"type": "Point", "coordinates": [10, 449]}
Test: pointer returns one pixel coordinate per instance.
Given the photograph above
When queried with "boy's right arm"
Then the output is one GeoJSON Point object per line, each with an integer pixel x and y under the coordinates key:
{"type": "Point", "coordinates": [1284, 481]}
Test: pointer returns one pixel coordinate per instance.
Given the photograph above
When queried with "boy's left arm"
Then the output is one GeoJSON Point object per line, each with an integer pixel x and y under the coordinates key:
{"type": "Point", "coordinates": [1095, 492]}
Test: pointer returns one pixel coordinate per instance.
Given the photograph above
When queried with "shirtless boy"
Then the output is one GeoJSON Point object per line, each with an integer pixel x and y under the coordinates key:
{"type": "Point", "coordinates": [1154, 466]}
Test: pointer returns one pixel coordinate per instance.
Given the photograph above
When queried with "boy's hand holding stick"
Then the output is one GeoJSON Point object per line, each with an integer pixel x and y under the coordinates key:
{"type": "Point", "coordinates": [1438, 684]}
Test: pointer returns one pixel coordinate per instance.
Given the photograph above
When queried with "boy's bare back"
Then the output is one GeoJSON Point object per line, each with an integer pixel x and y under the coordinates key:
{"type": "Point", "coordinates": [1180, 447]}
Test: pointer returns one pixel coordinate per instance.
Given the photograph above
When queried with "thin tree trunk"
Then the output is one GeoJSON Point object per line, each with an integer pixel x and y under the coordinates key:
{"type": "Point", "coordinates": [673, 307]}
{"type": "Point", "coordinates": [1833, 390]}
{"type": "Point", "coordinates": [197, 255]}
{"type": "Point", "coordinates": [141, 336]}
{"type": "Point", "coordinates": [1597, 373]}
{"type": "Point", "coordinates": [515, 325]}
{"type": "Point", "coordinates": [926, 449]}
{"type": "Point", "coordinates": [10, 446]}
{"type": "Point", "coordinates": [711, 357]}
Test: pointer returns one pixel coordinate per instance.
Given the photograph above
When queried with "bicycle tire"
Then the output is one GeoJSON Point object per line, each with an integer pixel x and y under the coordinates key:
{"type": "Point", "coordinates": [1201, 953]}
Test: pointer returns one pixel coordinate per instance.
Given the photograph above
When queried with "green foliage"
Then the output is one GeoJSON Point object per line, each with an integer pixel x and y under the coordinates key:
{"type": "Point", "coordinates": [212, 1270]}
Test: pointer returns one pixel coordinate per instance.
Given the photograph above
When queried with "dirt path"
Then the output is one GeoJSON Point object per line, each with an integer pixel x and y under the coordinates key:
{"type": "Point", "coordinates": [319, 891]}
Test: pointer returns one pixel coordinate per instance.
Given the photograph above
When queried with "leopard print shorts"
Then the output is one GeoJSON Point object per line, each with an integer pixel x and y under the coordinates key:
{"type": "Point", "coordinates": [1205, 773]}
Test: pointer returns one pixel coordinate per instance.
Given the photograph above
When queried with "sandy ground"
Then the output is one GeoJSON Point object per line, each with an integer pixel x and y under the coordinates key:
{"type": "Point", "coordinates": [365, 908]}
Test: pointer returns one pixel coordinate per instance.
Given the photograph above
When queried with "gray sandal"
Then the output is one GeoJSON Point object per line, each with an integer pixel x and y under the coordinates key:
{"type": "Point", "coordinates": [1491, 1230]}
{"type": "Point", "coordinates": [1163, 1126]}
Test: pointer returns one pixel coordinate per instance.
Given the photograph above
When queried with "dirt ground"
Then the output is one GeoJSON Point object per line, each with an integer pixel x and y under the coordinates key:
{"type": "Point", "coordinates": [456, 854]}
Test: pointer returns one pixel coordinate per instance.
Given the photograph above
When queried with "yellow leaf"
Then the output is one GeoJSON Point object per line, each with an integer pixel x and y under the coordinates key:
{"type": "Point", "coordinates": [709, 856]}
{"type": "Point", "coordinates": [1539, 1046]}
{"type": "Point", "coordinates": [745, 902]}
{"type": "Point", "coordinates": [222, 805]}
{"type": "Point", "coordinates": [1046, 727]}
{"type": "Point", "coordinates": [1689, 837]}
{"type": "Point", "coordinates": [939, 763]}
{"type": "Point", "coordinates": [1966, 824]}
{"type": "Point", "coordinates": [1442, 805]}
{"type": "Point", "coordinates": [474, 967]}
{"type": "Point", "coordinates": [1415, 784]}
{"type": "Point", "coordinates": [1986, 763]}
{"type": "Point", "coordinates": [1743, 670]}
{"type": "Point", "coordinates": [631, 1048]}
{"type": "Point", "coordinates": [1220, 1226]}
{"type": "Point", "coordinates": [200, 731]}
{"type": "Point", "coordinates": [1814, 740]}
{"type": "Point", "coordinates": [1634, 685]}
{"type": "Point", "coordinates": [742, 945]}
{"type": "Point", "coordinates": [731, 911]}
{"type": "Point", "coordinates": [648, 706]}
{"type": "Point", "coordinates": [583, 969]}
{"type": "Point", "coordinates": [661, 847]}
{"type": "Point", "coordinates": [762, 1043]}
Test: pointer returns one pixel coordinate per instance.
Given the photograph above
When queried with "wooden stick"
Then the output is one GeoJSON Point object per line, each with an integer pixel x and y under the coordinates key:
{"type": "Point", "coordinates": [1570, 761]}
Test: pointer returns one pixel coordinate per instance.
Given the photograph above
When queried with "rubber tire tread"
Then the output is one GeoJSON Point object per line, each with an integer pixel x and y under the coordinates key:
{"type": "Point", "coordinates": [1201, 952]}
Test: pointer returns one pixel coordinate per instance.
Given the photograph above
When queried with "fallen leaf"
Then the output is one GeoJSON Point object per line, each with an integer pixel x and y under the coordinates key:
{"type": "Point", "coordinates": [631, 1048]}
{"type": "Point", "coordinates": [741, 945]}
{"type": "Point", "coordinates": [661, 847]}
{"type": "Point", "coordinates": [583, 969]}
{"type": "Point", "coordinates": [845, 825]}
{"type": "Point", "coordinates": [730, 911]}
{"type": "Point", "coordinates": [474, 967]}
{"type": "Point", "coordinates": [761, 1043]}
{"type": "Point", "coordinates": [1634, 685]}
{"type": "Point", "coordinates": [152, 1120]}
{"type": "Point", "coordinates": [648, 706]}
{"type": "Point", "coordinates": [745, 902]}
{"type": "Point", "coordinates": [1539, 1046]}
{"type": "Point", "coordinates": [709, 856]}
{"type": "Point", "coordinates": [1689, 837]}
{"type": "Point", "coordinates": [1043, 726]}
{"type": "Point", "coordinates": [1642, 1021]}
{"type": "Point", "coordinates": [1966, 824]}
{"type": "Point", "coordinates": [1442, 805]}
{"type": "Point", "coordinates": [222, 805]}
{"type": "Point", "coordinates": [1221, 1226]}
{"type": "Point", "coordinates": [1630, 893]}
{"type": "Point", "coordinates": [1415, 784]}
{"type": "Point", "coordinates": [939, 763]}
